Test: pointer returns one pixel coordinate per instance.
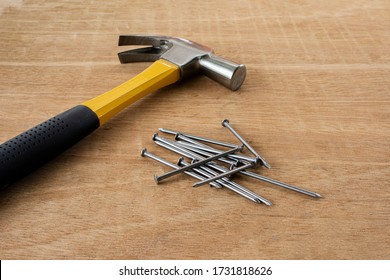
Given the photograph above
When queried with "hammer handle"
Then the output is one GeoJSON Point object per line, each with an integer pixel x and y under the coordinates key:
{"type": "Point", "coordinates": [31, 149]}
{"type": "Point", "coordinates": [28, 151]}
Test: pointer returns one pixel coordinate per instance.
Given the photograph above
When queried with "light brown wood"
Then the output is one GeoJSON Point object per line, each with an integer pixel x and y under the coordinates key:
{"type": "Point", "coordinates": [315, 103]}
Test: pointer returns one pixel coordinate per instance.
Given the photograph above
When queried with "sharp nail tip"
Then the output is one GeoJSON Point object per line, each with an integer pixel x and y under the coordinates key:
{"type": "Point", "coordinates": [266, 202]}
{"type": "Point", "coordinates": [267, 165]}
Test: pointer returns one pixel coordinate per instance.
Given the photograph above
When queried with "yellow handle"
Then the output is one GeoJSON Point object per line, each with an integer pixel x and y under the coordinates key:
{"type": "Point", "coordinates": [160, 74]}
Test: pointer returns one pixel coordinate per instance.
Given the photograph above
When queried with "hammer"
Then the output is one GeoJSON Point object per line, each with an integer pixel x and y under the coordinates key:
{"type": "Point", "coordinates": [174, 59]}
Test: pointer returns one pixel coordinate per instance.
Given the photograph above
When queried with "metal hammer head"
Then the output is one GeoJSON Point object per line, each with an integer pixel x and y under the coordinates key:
{"type": "Point", "coordinates": [191, 57]}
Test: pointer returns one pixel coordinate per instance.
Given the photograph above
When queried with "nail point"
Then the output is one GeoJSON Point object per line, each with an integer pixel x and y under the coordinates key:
{"type": "Point", "coordinates": [268, 203]}
{"type": "Point", "coordinates": [266, 164]}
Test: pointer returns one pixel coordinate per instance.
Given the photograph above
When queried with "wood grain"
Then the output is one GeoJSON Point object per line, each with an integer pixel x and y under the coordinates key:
{"type": "Point", "coordinates": [315, 103]}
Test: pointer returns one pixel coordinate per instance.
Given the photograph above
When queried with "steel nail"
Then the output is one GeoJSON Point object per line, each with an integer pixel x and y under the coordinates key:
{"type": "Point", "coordinates": [165, 143]}
{"type": "Point", "coordinates": [195, 164]}
{"type": "Point", "coordinates": [225, 123]}
{"type": "Point", "coordinates": [145, 153]}
{"type": "Point", "coordinates": [171, 145]}
{"type": "Point", "coordinates": [195, 149]}
{"type": "Point", "coordinates": [280, 184]}
{"type": "Point", "coordinates": [209, 167]}
{"type": "Point", "coordinates": [168, 131]}
{"type": "Point", "coordinates": [223, 175]}
{"type": "Point", "coordinates": [182, 162]}
{"type": "Point", "coordinates": [203, 139]}
{"type": "Point", "coordinates": [227, 184]}
{"type": "Point", "coordinates": [214, 151]}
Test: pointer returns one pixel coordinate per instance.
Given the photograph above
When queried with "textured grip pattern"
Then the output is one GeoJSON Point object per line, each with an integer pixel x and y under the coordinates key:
{"type": "Point", "coordinates": [30, 139]}
{"type": "Point", "coordinates": [38, 145]}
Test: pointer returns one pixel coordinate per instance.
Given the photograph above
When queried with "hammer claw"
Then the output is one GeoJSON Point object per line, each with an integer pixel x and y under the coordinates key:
{"type": "Point", "coordinates": [148, 54]}
{"type": "Point", "coordinates": [155, 41]}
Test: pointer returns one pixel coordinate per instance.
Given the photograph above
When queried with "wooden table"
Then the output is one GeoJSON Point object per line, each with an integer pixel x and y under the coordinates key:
{"type": "Point", "coordinates": [315, 104]}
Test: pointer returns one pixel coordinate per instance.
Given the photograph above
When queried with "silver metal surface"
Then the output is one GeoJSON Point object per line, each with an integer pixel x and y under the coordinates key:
{"type": "Point", "coordinates": [180, 149]}
{"type": "Point", "coordinates": [226, 124]}
{"type": "Point", "coordinates": [209, 169]}
{"type": "Point", "coordinates": [193, 140]}
{"type": "Point", "coordinates": [169, 145]}
{"type": "Point", "coordinates": [145, 153]}
{"type": "Point", "coordinates": [185, 152]}
{"type": "Point", "coordinates": [214, 151]}
{"type": "Point", "coordinates": [182, 162]}
{"type": "Point", "coordinates": [191, 57]}
{"type": "Point", "coordinates": [213, 172]}
{"type": "Point", "coordinates": [198, 138]}
{"type": "Point", "coordinates": [192, 165]}
{"type": "Point", "coordinates": [195, 149]}
{"type": "Point", "coordinates": [280, 184]}
{"type": "Point", "coordinates": [227, 73]}
{"type": "Point", "coordinates": [223, 183]}
{"type": "Point", "coordinates": [223, 175]}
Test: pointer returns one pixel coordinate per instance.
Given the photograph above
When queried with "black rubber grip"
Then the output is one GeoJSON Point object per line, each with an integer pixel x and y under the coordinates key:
{"type": "Point", "coordinates": [28, 151]}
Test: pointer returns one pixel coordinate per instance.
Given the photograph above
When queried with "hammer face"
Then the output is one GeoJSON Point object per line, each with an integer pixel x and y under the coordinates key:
{"type": "Point", "coordinates": [158, 45]}
{"type": "Point", "coordinates": [189, 56]}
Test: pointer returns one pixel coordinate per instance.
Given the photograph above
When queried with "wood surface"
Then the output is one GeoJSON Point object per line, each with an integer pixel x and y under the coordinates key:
{"type": "Point", "coordinates": [315, 104]}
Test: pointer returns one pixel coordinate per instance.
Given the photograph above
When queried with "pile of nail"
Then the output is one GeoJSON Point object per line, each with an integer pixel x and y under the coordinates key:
{"type": "Point", "coordinates": [209, 164]}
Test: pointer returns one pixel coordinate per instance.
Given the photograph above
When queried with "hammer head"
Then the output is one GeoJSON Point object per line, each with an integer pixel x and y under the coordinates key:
{"type": "Point", "coordinates": [191, 58]}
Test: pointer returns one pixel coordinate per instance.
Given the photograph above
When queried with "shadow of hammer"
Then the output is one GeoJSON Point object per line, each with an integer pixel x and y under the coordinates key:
{"type": "Point", "coordinates": [174, 59]}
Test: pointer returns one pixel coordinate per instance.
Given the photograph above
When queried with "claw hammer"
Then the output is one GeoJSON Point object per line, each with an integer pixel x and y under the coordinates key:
{"type": "Point", "coordinates": [173, 59]}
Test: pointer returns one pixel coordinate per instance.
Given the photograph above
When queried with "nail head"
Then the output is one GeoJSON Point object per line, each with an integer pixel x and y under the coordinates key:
{"type": "Point", "coordinates": [224, 121]}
